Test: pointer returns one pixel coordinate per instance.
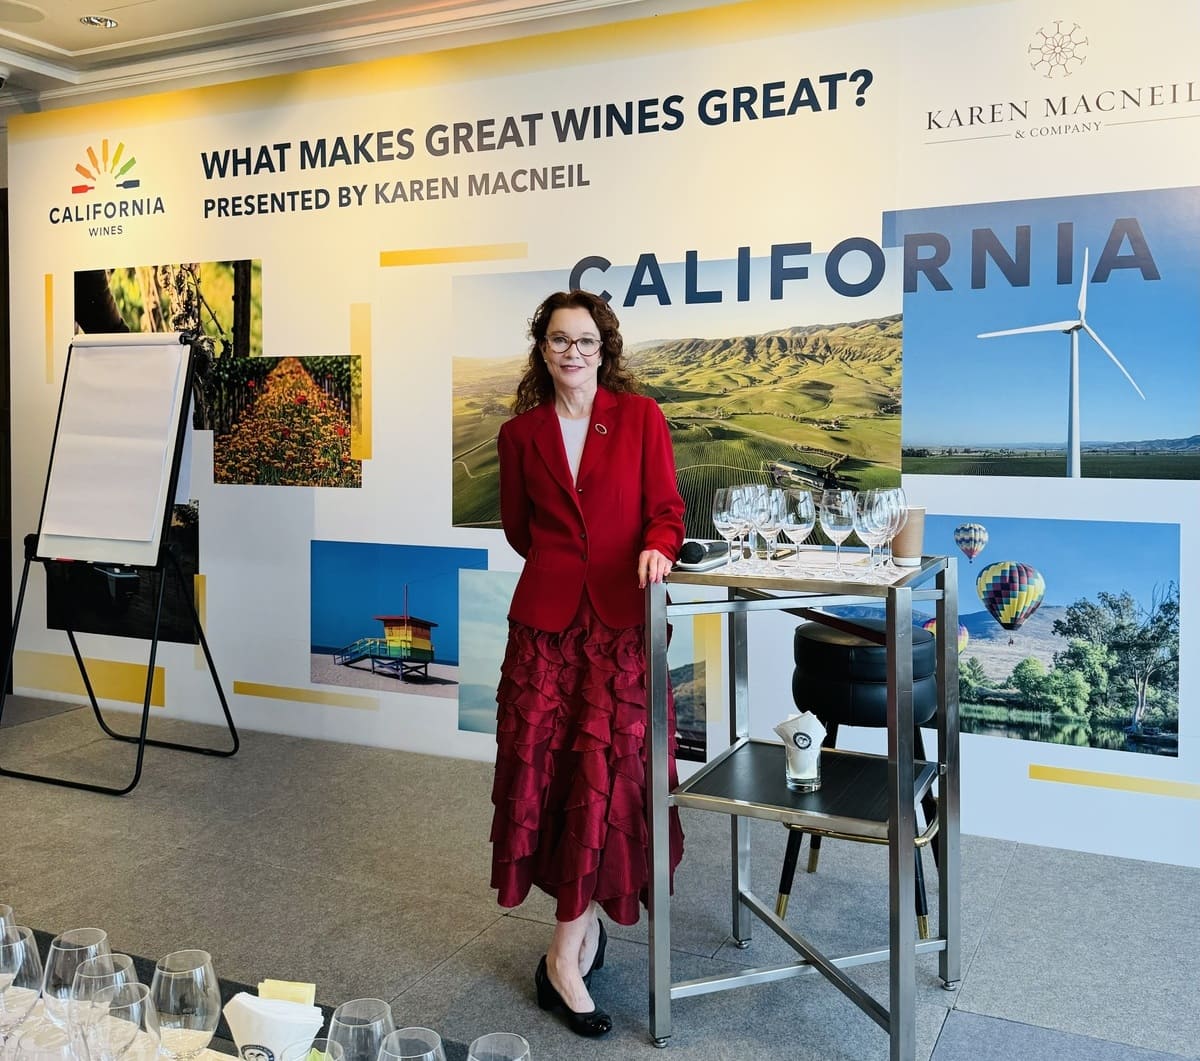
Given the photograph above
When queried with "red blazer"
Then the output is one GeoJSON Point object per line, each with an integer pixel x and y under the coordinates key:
{"type": "Point", "coordinates": [588, 533]}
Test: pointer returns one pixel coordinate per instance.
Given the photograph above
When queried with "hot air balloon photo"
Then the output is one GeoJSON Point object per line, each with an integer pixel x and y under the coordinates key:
{"type": "Point", "coordinates": [1010, 591]}
{"type": "Point", "coordinates": [971, 538]}
{"type": "Point", "coordinates": [963, 636]}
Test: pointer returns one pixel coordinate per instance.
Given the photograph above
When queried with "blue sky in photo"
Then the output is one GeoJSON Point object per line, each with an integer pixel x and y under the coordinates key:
{"type": "Point", "coordinates": [507, 301]}
{"type": "Point", "coordinates": [354, 581]}
{"type": "Point", "coordinates": [484, 598]}
{"type": "Point", "coordinates": [959, 389]}
{"type": "Point", "coordinates": [1077, 558]}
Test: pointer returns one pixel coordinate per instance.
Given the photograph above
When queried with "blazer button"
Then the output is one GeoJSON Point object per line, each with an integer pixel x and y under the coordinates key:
{"type": "Point", "coordinates": [583, 534]}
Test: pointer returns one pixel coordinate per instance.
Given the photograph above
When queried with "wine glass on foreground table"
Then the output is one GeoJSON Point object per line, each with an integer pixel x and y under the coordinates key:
{"type": "Point", "coordinates": [127, 1026]}
{"type": "Point", "coordinates": [767, 516]}
{"type": "Point", "coordinates": [319, 1049]}
{"type": "Point", "coordinates": [186, 995]}
{"type": "Point", "coordinates": [837, 521]}
{"type": "Point", "coordinates": [20, 979]}
{"type": "Point", "coordinates": [94, 976]}
{"type": "Point", "coordinates": [7, 919]}
{"type": "Point", "coordinates": [361, 1025]}
{"type": "Point", "coordinates": [67, 953]}
{"type": "Point", "coordinates": [413, 1044]}
{"type": "Point", "coordinates": [799, 518]}
{"type": "Point", "coordinates": [499, 1046]}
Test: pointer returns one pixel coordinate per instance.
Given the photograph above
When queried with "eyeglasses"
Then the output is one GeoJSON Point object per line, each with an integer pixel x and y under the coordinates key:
{"type": "Point", "coordinates": [587, 345]}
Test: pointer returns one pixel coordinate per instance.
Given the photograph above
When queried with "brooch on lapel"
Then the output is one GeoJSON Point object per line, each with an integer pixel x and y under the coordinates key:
{"type": "Point", "coordinates": [601, 429]}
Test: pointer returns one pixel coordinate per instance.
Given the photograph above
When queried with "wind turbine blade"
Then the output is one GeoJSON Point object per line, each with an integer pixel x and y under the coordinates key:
{"type": "Point", "coordinates": [1100, 343]}
{"type": "Point", "coordinates": [1057, 326]}
{"type": "Point", "coordinates": [1083, 285]}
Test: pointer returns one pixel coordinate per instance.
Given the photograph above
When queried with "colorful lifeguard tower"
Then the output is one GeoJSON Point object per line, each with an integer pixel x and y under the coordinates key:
{"type": "Point", "coordinates": [405, 650]}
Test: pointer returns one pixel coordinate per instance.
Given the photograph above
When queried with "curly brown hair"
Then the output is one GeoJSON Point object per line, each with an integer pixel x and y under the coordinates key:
{"type": "Point", "coordinates": [536, 384]}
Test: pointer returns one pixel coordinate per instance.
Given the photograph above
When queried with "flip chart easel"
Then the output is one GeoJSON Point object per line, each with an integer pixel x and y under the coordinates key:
{"type": "Point", "coordinates": [110, 488]}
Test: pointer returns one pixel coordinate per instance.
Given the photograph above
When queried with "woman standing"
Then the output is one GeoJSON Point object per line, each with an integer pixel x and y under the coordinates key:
{"type": "Point", "coordinates": [588, 499]}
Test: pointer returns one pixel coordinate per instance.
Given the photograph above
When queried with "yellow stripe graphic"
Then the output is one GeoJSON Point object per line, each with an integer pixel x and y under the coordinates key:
{"type": "Point", "coordinates": [110, 678]}
{"type": "Point", "coordinates": [1150, 785]}
{"type": "Point", "coordinates": [200, 597]}
{"type": "Point", "coordinates": [360, 411]}
{"type": "Point", "coordinates": [621, 40]}
{"type": "Point", "coordinates": [306, 696]}
{"type": "Point", "coordinates": [483, 252]}
{"type": "Point", "coordinates": [49, 326]}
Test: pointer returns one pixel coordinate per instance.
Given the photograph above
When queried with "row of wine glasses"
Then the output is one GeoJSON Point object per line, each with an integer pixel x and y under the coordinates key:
{"type": "Point", "coordinates": [94, 1008]}
{"type": "Point", "coordinates": [875, 515]}
{"type": "Point", "coordinates": [363, 1029]}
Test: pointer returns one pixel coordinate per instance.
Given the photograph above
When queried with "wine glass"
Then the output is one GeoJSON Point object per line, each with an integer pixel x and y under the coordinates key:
{"type": "Point", "coordinates": [744, 500]}
{"type": "Point", "coordinates": [799, 518]}
{"type": "Point", "coordinates": [767, 516]}
{"type": "Point", "coordinates": [186, 995]}
{"type": "Point", "coordinates": [413, 1044]}
{"type": "Point", "coordinates": [724, 519]}
{"type": "Point", "coordinates": [319, 1049]}
{"type": "Point", "coordinates": [837, 521]}
{"type": "Point", "coordinates": [20, 979]}
{"type": "Point", "coordinates": [7, 919]}
{"type": "Point", "coordinates": [67, 953]}
{"type": "Point", "coordinates": [499, 1046]}
{"type": "Point", "coordinates": [871, 520]}
{"type": "Point", "coordinates": [361, 1025]}
{"type": "Point", "coordinates": [94, 976]}
{"type": "Point", "coordinates": [898, 513]}
{"type": "Point", "coordinates": [43, 1041]}
{"type": "Point", "coordinates": [127, 1026]}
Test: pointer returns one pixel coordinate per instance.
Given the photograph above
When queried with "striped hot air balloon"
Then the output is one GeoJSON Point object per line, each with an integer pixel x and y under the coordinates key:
{"type": "Point", "coordinates": [1011, 591]}
{"type": "Point", "coordinates": [971, 539]}
{"type": "Point", "coordinates": [963, 635]}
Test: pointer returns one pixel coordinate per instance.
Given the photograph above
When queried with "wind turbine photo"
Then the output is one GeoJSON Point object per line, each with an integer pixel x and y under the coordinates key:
{"type": "Point", "coordinates": [1072, 328]}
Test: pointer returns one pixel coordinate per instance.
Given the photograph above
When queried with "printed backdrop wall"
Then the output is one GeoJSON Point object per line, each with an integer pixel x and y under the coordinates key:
{"type": "Point", "coordinates": [948, 245]}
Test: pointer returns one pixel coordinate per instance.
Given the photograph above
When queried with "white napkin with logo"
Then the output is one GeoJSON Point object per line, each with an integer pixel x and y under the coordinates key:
{"type": "Point", "coordinates": [802, 735]}
{"type": "Point", "coordinates": [262, 1027]}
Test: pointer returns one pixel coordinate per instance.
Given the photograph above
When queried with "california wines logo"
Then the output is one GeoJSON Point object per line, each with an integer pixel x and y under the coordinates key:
{"type": "Point", "coordinates": [104, 167]}
{"type": "Point", "coordinates": [106, 175]}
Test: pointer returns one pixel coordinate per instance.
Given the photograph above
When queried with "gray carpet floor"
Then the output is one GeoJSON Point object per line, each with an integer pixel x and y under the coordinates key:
{"type": "Point", "coordinates": [365, 871]}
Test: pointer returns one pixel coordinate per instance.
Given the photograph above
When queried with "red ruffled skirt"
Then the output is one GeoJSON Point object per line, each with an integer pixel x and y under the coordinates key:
{"type": "Point", "coordinates": [571, 771]}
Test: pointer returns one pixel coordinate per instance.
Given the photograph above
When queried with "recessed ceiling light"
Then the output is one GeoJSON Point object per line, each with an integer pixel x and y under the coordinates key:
{"type": "Point", "coordinates": [99, 21]}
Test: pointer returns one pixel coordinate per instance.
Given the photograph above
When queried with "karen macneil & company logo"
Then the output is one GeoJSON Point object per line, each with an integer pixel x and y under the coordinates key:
{"type": "Point", "coordinates": [105, 191]}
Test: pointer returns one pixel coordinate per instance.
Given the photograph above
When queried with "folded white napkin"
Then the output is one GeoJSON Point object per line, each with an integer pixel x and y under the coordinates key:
{"type": "Point", "coordinates": [262, 1027]}
{"type": "Point", "coordinates": [802, 735]}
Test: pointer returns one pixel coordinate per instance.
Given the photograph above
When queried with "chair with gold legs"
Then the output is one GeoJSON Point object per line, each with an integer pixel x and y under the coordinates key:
{"type": "Point", "coordinates": [841, 678]}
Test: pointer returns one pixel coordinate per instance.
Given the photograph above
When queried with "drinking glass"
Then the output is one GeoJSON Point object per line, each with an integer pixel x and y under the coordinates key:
{"type": "Point", "coordinates": [94, 976]}
{"type": "Point", "coordinates": [499, 1046]}
{"type": "Point", "coordinates": [20, 979]}
{"type": "Point", "coordinates": [766, 515]}
{"type": "Point", "coordinates": [837, 521]}
{"type": "Point", "coordinates": [898, 516]}
{"type": "Point", "coordinates": [360, 1026]}
{"type": "Point", "coordinates": [127, 1026]}
{"type": "Point", "coordinates": [412, 1044]}
{"type": "Point", "coordinates": [319, 1049]}
{"type": "Point", "coordinates": [744, 500]}
{"type": "Point", "coordinates": [7, 919]}
{"type": "Point", "coordinates": [186, 995]}
{"type": "Point", "coordinates": [871, 520]}
{"type": "Point", "coordinates": [724, 519]}
{"type": "Point", "coordinates": [43, 1041]}
{"type": "Point", "coordinates": [799, 518]}
{"type": "Point", "coordinates": [67, 953]}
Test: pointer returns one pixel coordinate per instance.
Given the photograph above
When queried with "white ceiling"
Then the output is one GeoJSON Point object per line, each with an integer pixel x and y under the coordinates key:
{"type": "Point", "coordinates": [46, 53]}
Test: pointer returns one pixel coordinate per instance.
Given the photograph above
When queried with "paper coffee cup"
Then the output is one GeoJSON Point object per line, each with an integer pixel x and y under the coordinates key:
{"type": "Point", "coordinates": [909, 544]}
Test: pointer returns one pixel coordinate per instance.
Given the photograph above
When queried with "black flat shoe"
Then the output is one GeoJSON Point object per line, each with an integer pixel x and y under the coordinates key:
{"type": "Point", "coordinates": [598, 957]}
{"type": "Point", "coordinates": [590, 1025]}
